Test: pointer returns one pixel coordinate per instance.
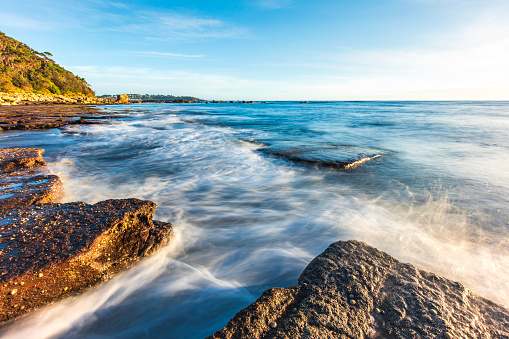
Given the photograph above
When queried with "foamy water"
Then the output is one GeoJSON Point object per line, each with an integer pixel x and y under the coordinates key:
{"type": "Point", "coordinates": [247, 221]}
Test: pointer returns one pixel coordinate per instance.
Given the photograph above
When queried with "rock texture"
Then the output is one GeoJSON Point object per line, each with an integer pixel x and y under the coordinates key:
{"type": "Point", "coordinates": [50, 250]}
{"type": "Point", "coordinates": [24, 98]}
{"type": "Point", "coordinates": [321, 159]}
{"type": "Point", "coordinates": [50, 116]}
{"type": "Point", "coordinates": [353, 290]}
{"type": "Point", "coordinates": [25, 179]}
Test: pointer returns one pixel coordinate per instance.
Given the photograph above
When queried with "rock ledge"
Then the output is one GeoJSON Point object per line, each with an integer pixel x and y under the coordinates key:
{"type": "Point", "coordinates": [25, 179]}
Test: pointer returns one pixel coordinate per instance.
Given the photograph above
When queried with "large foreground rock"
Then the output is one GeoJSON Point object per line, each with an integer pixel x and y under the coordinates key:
{"type": "Point", "coordinates": [353, 290]}
{"type": "Point", "coordinates": [50, 250]}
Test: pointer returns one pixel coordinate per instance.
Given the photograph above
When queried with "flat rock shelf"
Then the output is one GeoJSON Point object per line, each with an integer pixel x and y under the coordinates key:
{"type": "Point", "coordinates": [49, 250]}
{"type": "Point", "coordinates": [25, 179]}
{"type": "Point", "coordinates": [40, 116]}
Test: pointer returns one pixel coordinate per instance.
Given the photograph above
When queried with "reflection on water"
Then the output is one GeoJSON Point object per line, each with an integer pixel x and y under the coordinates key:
{"type": "Point", "coordinates": [247, 221]}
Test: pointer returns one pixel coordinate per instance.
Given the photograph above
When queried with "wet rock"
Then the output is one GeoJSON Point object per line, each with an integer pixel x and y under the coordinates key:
{"type": "Point", "coordinates": [50, 250]}
{"type": "Point", "coordinates": [39, 116]}
{"type": "Point", "coordinates": [25, 179]}
{"type": "Point", "coordinates": [16, 159]}
{"type": "Point", "coordinates": [393, 300]}
{"type": "Point", "coordinates": [59, 249]}
{"type": "Point", "coordinates": [341, 157]}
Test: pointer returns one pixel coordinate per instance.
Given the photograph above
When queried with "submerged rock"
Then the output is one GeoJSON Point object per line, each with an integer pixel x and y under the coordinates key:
{"type": "Point", "coordinates": [342, 157]}
{"type": "Point", "coordinates": [353, 290]}
{"type": "Point", "coordinates": [50, 250]}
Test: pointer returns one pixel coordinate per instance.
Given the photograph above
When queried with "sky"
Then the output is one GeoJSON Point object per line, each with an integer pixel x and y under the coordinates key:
{"type": "Point", "coordinates": [275, 49]}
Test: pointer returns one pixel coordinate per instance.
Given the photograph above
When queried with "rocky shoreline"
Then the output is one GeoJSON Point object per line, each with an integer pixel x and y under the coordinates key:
{"type": "Point", "coordinates": [14, 99]}
{"type": "Point", "coordinates": [50, 250]}
{"type": "Point", "coordinates": [50, 116]}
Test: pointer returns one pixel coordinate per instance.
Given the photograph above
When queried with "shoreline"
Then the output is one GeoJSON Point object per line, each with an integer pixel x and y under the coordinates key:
{"type": "Point", "coordinates": [281, 315]}
{"type": "Point", "coordinates": [18, 99]}
{"type": "Point", "coordinates": [52, 250]}
{"type": "Point", "coordinates": [52, 115]}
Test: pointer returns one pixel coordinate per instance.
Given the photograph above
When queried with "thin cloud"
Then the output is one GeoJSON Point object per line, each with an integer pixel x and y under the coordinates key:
{"type": "Point", "coordinates": [175, 21]}
{"type": "Point", "coordinates": [275, 4]}
{"type": "Point", "coordinates": [211, 85]}
{"type": "Point", "coordinates": [175, 26]}
{"type": "Point", "coordinates": [17, 21]}
{"type": "Point", "coordinates": [167, 55]}
{"type": "Point", "coordinates": [470, 62]}
{"type": "Point", "coordinates": [98, 15]}
{"type": "Point", "coordinates": [114, 80]}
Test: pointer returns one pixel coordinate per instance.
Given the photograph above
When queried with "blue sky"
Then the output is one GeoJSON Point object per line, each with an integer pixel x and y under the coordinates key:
{"type": "Point", "coordinates": [275, 49]}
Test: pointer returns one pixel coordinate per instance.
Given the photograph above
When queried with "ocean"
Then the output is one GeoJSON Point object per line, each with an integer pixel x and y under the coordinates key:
{"type": "Point", "coordinates": [256, 191]}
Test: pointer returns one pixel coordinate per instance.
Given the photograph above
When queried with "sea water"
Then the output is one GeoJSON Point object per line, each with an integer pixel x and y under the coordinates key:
{"type": "Point", "coordinates": [255, 191]}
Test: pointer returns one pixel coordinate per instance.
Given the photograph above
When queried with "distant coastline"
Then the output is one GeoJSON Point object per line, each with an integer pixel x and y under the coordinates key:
{"type": "Point", "coordinates": [151, 98]}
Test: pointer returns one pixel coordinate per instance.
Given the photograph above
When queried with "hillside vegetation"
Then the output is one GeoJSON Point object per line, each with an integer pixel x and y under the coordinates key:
{"type": "Point", "coordinates": [23, 69]}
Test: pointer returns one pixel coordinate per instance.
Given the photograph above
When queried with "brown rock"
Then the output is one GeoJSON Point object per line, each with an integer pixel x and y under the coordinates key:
{"type": "Point", "coordinates": [30, 98]}
{"type": "Point", "coordinates": [59, 249]}
{"type": "Point", "coordinates": [39, 115]}
{"type": "Point", "coordinates": [25, 179]}
{"type": "Point", "coordinates": [16, 159]}
{"type": "Point", "coordinates": [122, 99]}
{"type": "Point", "coordinates": [50, 250]}
{"type": "Point", "coordinates": [392, 300]}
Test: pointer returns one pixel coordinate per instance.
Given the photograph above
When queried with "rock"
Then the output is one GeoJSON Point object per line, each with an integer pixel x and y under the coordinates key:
{"type": "Point", "coordinates": [393, 300]}
{"type": "Point", "coordinates": [39, 115]}
{"type": "Point", "coordinates": [338, 157]}
{"type": "Point", "coordinates": [8, 99]}
{"type": "Point", "coordinates": [50, 250]}
{"type": "Point", "coordinates": [25, 179]}
{"type": "Point", "coordinates": [64, 248]}
{"type": "Point", "coordinates": [122, 99]}
{"type": "Point", "coordinates": [15, 158]}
